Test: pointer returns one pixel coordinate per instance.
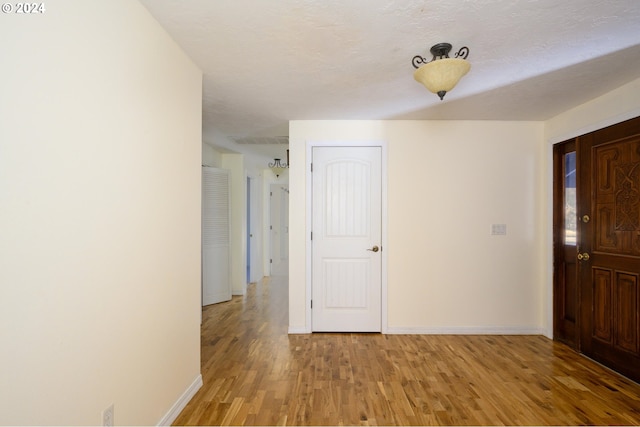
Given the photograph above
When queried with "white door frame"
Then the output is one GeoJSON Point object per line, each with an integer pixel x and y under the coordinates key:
{"type": "Point", "coordinates": [309, 215]}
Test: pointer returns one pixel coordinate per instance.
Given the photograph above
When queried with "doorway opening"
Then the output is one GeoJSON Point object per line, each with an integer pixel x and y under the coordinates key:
{"type": "Point", "coordinates": [596, 235]}
{"type": "Point", "coordinates": [279, 229]}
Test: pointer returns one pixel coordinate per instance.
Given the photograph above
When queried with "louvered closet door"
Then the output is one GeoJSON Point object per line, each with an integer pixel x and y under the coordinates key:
{"type": "Point", "coordinates": [216, 283]}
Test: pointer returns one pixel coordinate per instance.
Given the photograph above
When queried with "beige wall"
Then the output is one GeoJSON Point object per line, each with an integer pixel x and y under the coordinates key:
{"type": "Point", "coordinates": [447, 183]}
{"type": "Point", "coordinates": [100, 153]}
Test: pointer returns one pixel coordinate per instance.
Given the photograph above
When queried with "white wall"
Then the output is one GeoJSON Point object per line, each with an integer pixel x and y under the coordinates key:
{"type": "Point", "coordinates": [100, 153]}
{"type": "Point", "coordinates": [613, 107]}
{"type": "Point", "coordinates": [447, 183]}
{"type": "Point", "coordinates": [211, 156]}
{"type": "Point", "coordinates": [238, 238]}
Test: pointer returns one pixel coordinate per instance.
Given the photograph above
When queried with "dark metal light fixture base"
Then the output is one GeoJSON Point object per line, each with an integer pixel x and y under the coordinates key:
{"type": "Point", "coordinates": [441, 50]}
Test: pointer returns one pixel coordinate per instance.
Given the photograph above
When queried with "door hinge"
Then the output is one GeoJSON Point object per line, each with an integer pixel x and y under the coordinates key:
{"type": "Point", "coordinates": [311, 303]}
{"type": "Point", "coordinates": [312, 167]}
{"type": "Point", "coordinates": [271, 227]}
{"type": "Point", "coordinates": [270, 261]}
{"type": "Point", "coordinates": [312, 235]}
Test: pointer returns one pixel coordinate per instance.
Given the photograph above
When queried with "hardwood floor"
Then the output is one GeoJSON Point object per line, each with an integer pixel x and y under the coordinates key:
{"type": "Point", "coordinates": [256, 374]}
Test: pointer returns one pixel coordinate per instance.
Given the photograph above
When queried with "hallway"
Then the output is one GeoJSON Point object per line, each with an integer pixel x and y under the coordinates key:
{"type": "Point", "coordinates": [256, 374]}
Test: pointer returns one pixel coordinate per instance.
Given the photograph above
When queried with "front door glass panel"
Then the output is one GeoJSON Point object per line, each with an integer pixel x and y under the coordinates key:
{"type": "Point", "coordinates": [570, 215]}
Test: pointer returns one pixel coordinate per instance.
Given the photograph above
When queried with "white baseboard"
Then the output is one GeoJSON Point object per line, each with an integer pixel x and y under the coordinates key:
{"type": "Point", "coordinates": [456, 330]}
{"type": "Point", "coordinates": [464, 330]}
{"type": "Point", "coordinates": [177, 407]}
{"type": "Point", "coordinates": [298, 330]}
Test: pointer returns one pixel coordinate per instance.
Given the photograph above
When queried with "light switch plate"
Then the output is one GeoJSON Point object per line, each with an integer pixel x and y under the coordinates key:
{"type": "Point", "coordinates": [498, 229]}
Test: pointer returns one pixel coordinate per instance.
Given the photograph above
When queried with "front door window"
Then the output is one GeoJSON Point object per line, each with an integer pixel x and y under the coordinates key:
{"type": "Point", "coordinates": [570, 216]}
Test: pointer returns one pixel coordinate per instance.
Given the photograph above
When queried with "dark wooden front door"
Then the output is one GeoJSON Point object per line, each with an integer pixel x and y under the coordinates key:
{"type": "Point", "coordinates": [609, 246]}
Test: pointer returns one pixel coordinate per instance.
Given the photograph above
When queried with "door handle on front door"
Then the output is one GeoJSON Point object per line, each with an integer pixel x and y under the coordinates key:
{"type": "Point", "coordinates": [584, 256]}
{"type": "Point", "coordinates": [374, 249]}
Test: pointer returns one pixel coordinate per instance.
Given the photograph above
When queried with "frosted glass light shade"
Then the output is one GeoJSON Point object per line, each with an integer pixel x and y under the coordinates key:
{"type": "Point", "coordinates": [277, 167]}
{"type": "Point", "coordinates": [278, 170]}
{"type": "Point", "coordinates": [442, 75]}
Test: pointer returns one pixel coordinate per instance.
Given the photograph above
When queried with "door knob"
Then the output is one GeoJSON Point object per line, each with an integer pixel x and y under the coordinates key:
{"type": "Point", "coordinates": [583, 256]}
{"type": "Point", "coordinates": [374, 249]}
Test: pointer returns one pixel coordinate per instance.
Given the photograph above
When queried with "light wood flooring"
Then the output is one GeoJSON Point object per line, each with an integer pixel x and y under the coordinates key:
{"type": "Point", "coordinates": [256, 374]}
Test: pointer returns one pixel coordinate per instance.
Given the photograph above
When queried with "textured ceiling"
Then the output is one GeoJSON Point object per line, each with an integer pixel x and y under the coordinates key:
{"type": "Point", "coordinates": [268, 62]}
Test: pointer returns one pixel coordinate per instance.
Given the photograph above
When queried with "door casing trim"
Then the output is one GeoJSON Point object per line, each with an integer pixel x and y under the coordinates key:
{"type": "Point", "coordinates": [309, 211]}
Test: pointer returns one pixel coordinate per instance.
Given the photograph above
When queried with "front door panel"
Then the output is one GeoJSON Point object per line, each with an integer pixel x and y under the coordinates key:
{"type": "Point", "coordinates": [610, 273]}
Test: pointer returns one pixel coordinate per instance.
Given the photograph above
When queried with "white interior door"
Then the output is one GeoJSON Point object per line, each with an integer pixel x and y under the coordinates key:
{"type": "Point", "coordinates": [253, 232]}
{"type": "Point", "coordinates": [284, 223]}
{"type": "Point", "coordinates": [279, 230]}
{"type": "Point", "coordinates": [274, 228]}
{"type": "Point", "coordinates": [346, 241]}
{"type": "Point", "coordinates": [216, 282]}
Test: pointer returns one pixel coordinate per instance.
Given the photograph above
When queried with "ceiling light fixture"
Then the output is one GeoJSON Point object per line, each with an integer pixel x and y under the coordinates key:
{"type": "Point", "coordinates": [277, 167]}
{"type": "Point", "coordinates": [442, 73]}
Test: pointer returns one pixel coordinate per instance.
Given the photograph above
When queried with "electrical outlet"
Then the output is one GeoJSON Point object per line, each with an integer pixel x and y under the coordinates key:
{"type": "Point", "coordinates": [107, 416]}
